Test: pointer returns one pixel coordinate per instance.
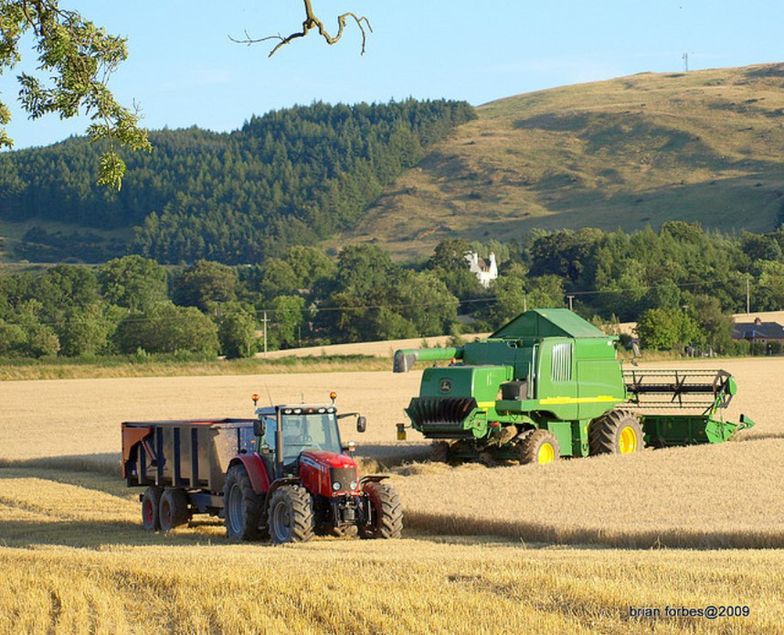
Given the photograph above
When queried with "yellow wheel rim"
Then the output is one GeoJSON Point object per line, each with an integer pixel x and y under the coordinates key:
{"type": "Point", "coordinates": [627, 442]}
{"type": "Point", "coordinates": [546, 454]}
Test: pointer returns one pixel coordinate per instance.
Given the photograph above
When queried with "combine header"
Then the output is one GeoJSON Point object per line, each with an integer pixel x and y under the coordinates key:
{"type": "Point", "coordinates": [549, 384]}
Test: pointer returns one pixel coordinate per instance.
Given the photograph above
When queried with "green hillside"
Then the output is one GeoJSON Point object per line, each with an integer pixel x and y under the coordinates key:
{"type": "Point", "coordinates": [705, 146]}
{"type": "Point", "coordinates": [289, 177]}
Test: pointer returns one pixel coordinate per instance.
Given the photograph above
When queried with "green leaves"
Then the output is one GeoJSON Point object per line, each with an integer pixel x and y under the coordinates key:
{"type": "Point", "coordinates": [77, 58]}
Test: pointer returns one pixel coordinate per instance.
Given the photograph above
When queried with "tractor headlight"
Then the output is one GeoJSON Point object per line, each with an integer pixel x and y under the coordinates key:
{"type": "Point", "coordinates": [353, 485]}
{"type": "Point", "coordinates": [336, 485]}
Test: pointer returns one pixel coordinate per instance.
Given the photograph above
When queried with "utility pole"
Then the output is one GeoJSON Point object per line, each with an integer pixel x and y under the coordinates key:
{"type": "Point", "coordinates": [571, 299]}
{"type": "Point", "coordinates": [748, 294]}
{"type": "Point", "coordinates": [685, 62]}
{"type": "Point", "coordinates": [264, 321]}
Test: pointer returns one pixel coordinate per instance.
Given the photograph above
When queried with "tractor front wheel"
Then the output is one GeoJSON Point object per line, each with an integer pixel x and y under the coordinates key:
{"type": "Point", "coordinates": [538, 447]}
{"type": "Point", "coordinates": [150, 507]}
{"type": "Point", "coordinates": [387, 511]}
{"type": "Point", "coordinates": [615, 432]}
{"type": "Point", "coordinates": [242, 506]}
{"type": "Point", "coordinates": [290, 515]}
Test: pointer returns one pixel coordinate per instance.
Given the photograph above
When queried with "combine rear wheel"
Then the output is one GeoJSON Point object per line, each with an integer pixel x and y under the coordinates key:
{"type": "Point", "coordinates": [173, 509]}
{"type": "Point", "coordinates": [387, 512]}
{"type": "Point", "coordinates": [539, 447]}
{"type": "Point", "coordinates": [290, 515]}
{"type": "Point", "coordinates": [242, 506]}
{"type": "Point", "coordinates": [615, 432]}
{"type": "Point", "coordinates": [150, 505]}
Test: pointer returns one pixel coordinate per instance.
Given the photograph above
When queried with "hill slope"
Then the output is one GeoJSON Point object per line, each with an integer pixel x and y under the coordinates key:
{"type": "Point", "coordinates": [703, 146]}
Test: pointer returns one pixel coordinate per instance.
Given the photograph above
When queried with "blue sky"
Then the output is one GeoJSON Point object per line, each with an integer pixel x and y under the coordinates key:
{"type": "Point", "coordinates": [183, 70]}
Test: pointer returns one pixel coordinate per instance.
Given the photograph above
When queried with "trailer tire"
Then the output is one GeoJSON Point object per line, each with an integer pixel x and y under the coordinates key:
{"type": "Point", "coordinates": [439, 452]}
{"type": "Point", "coordinates": [173, 509]}
{"type": "Point", "coordinates": [538, 447]}
{"type": "Point", "coordinates": [290, 515]}
{"type": "Point", "coordinates": [387, 512]}
{"type": "Point", "coordinates": [242, 507]}
{"type": "Point", "coordinates": [150, 507]}
{"type": "Point", "coordinates": [615, 432]}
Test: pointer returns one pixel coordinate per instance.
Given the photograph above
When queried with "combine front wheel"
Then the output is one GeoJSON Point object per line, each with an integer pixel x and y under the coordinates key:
{"type": "Point", "coordinates": [290, 516]}
{"type": "Point", "coordinates": [615, 432]}
{"type": "Point", "coordinates": [539, 447]}
{"type": "Point", "coordinates": [439, 452]}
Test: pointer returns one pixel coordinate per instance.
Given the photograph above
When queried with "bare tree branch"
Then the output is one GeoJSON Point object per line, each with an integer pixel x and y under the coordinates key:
{"type": "Point", "coordinates": [312, 22]}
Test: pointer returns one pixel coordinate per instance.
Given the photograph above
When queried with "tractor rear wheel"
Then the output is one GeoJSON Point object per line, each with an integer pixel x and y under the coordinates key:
{"type": "Point", "coordinates": [387, 512]}
{"type": "Point", "coordinates": [173, 509]}
{"type": "Point", "coordinates": [290, 515]}
{"type": "Point", "coordinates": [242, 506]}
{"type": "Point", "coordinates": [150, 506]}
{"type": "Point", "coordinates": [439, 452]}
{"type": "Point", "coordinates": [615, 432]}
{"type": "Point", "coordinates": [538, 447]}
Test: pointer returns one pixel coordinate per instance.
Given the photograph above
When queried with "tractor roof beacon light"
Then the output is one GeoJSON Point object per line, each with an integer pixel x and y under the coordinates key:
{"type": "Point", "coordinates": [255, 398]}
{"type": "Point", "coordinates": [333, 395]}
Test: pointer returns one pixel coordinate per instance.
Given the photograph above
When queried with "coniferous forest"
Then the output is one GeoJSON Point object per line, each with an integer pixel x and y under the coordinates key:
{"type": "Point", "coordinates": [292, 176]}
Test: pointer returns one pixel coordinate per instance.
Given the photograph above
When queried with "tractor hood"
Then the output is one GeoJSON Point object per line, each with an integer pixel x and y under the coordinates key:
{"type": "Point", "coordinates": [326, 460]}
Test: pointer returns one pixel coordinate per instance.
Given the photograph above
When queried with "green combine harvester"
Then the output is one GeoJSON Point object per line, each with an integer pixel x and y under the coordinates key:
{"type": "Point", "coordinates": [549, 384]}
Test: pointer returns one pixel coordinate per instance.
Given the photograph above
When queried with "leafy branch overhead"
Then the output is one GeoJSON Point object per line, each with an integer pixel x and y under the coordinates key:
{"type": "Point", "coordinates": [311, 22]}
{"type": "Point", "coordinates": [77, 57]}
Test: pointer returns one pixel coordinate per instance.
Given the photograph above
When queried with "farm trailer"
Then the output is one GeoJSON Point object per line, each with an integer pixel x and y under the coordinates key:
{"type": "Point", "coordinates": [283, 475]}
{"type": "Point", "coordinates": [549, 384]}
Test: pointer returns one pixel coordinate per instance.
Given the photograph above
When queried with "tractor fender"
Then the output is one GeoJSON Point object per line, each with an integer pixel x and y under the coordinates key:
{"type": "Point", "coordinates": [372, 478]}
{"type": "Point", "coordinates": [257, 471]}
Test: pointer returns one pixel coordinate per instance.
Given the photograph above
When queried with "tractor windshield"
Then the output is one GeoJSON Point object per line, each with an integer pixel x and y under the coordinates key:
{"type": "Point", "coordinates": [305, 432]}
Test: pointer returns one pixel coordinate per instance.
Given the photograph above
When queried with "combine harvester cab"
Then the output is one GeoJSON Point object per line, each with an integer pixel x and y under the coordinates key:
{"type": "Point", "coordinates": [284, 475]}
{"type": "Point", "coordinates": [549, 384]}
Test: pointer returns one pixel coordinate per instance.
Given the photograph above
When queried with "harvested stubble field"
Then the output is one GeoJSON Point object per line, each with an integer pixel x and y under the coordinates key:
{"type": "Point", "coordinates": [474, 557]}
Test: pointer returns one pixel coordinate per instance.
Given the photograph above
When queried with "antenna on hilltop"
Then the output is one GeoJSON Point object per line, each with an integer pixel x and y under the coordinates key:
{"type": "Point", "coordinates": [685, 58]}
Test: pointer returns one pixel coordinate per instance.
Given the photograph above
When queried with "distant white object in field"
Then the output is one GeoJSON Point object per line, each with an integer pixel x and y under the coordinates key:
{"type": "Point", "coordinates": [485, 271]}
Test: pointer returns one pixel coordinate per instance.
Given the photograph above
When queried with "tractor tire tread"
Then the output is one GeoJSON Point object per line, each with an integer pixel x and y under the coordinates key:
{"type": "Point", "coordinates": [389, 512]}
{"type": "Point", "coordinates": [252, 502]}
{"type": "Point", "coordinates": [303, 525]}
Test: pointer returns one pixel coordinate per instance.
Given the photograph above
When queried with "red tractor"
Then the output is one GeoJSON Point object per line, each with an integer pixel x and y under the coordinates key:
{"type": "Point", "coordinates": [284, 475]}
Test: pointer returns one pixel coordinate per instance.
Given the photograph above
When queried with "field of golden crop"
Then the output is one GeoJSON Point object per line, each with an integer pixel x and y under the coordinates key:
{"type": "Point", "coordinates": [564, 548]}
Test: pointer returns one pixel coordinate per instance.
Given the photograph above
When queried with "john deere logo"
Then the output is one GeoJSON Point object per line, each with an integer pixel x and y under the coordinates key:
{"type": "Point", "coordinates": [445, 385]}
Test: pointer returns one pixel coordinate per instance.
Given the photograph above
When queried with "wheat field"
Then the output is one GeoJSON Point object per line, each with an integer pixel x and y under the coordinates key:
{"type": "Point", "coordinates": [564, 548]}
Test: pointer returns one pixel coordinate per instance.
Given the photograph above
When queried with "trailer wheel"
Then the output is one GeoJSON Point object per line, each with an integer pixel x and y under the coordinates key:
{"type": "Point", "coordinates": [387, 512]}
{"type": "Point", "coordinates": [615, 432]}
{"type": "Point", "coordinates": [150, 504]}
{"type": "Point", "coordinates": [242, 506]}
{"type": "Point", "coordinates": [439, 452]}
{"type": "Point", "coordinates": [290, 515]}
{"type": "Point", "coordinates": [539, 447]}
{"type": "Point", "coordinates": [173, 509]}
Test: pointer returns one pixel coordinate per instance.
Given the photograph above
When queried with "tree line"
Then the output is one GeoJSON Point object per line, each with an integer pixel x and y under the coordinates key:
{"type": "Point", "coordinates": [292, 176]}
{"type": "Point", "coordinates": [680, 283]}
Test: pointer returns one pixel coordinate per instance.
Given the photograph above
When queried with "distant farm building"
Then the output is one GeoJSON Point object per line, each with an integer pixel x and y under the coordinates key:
{"type": "Point", "coordinates": [485, 270]}
{"type": "Point", "coordinates": [758, 331]}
